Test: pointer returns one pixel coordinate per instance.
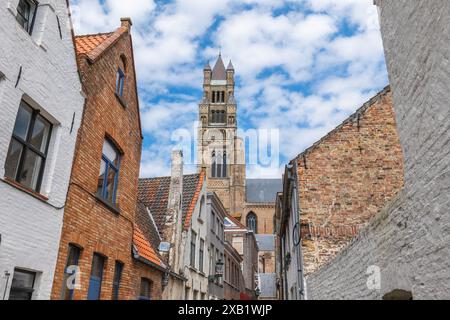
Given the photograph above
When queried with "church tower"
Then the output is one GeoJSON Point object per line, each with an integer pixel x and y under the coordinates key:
{"type": "Point", "coordinates": [220, 151]}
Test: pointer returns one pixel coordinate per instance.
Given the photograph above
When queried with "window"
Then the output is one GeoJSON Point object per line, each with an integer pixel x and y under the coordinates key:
{"type": "Point", "coordinates": [26, 13]}
{"type": "Point", "coordinates": [146, 287]}
{"type": "Point", "coordinates": [117, 277]}
{"type": "Point", "coordinates": [95, 283]}
{"type": "Point", "coordinates": [213, 165]}
{"type": "Point", "coordinates": [22, 286]}
{"type": "Point", "coordinates": [120, 82]}
{"type": "Point", "coordinates": [219, 165]}
{"type": "Point", "coordinates": [72, 261]}
{"type": "Point", "coordinates": [218, 227]}
{"type": "Point", "coordinates": [218, 116]}
{"type": "Point", "coordinates": [252, 222]}
{"type": "Point", "coordinates": [200, 255]}
{"type": "Point", "coordinates": [213, 222]}
{"type": "Point", "coordinates": [109, 173]}
{"type": "Point", "coordinates": [28, 148]}
{"type": "Point", "coordinates": [211, 260]}
{"type": "Point", "coordinates": [193, 241]}
{"type": "Point", "coordinates": [224, 165]}
{"type": "Point", "coordinates": [218, 97]}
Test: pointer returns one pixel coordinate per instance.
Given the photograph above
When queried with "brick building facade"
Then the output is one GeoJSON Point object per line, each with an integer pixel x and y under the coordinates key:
{"type": "Point", "coordinates": [405, 248]}
{"type": "Point", "coordinates": [335, 187]}
{"type": "Point", "coordinates": [346, 178]}
{"type": "Point", "coordinates": [100, 211]}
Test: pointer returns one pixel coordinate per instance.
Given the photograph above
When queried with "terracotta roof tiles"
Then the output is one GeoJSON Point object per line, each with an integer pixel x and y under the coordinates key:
{"type": "Point", "coordinates": [93, 45]}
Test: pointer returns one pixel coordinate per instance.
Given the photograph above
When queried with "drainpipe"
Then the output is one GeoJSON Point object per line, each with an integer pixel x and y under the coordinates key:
{"type": "Point", "coordinates": [300, 279]}
{"type": "Point", "coordinates": [7, 275]}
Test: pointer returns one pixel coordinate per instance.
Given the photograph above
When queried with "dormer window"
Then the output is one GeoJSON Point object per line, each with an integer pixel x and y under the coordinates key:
{"type": "Point", "coordinates": [26, 12]}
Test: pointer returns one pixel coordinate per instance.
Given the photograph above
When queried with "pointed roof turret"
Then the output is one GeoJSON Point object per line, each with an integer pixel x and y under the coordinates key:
{"type": "Point", "coordinates": [230, 66]}
{"type": "Point", "coordinates": [219, 72]}
{"type": "Point", "coordinates": [207, 66]}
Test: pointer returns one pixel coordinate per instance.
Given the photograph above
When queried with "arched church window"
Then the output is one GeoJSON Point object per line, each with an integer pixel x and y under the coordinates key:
{"type": "Point", "coordinates": [213, 165]}
{"type": "Point", "coordinates": [252, 222]}
{"type": "Point", "coordinates": [219, 165]}
{"type": "Point", "coordinates": [224, 164]}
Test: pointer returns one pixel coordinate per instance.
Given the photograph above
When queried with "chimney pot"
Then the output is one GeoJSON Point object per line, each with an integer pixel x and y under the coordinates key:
{"type": "Point", "coordinates": [126, 22]}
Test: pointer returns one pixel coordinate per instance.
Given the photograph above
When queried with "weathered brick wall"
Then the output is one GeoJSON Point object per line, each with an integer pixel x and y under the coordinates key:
{"type": "Point", "coordinates": [409, 239]}
{"type": "Point", "coordinates": [346, 178]}
{"type": "Point", "coordinates": [87, 221]}
{"type": "Point", "coordinates": [141, 270]}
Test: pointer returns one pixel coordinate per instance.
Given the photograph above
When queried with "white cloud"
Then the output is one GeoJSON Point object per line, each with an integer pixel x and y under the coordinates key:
{"type": "Point", "coordinates": [300, 71]}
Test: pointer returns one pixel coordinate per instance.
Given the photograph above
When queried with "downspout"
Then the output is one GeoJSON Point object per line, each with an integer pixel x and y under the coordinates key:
{"type": "Point", "coordinates": [300, 279]}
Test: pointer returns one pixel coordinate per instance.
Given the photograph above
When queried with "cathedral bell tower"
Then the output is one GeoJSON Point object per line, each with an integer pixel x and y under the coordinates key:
{"type": "Point", "coordinates": [220, 152]}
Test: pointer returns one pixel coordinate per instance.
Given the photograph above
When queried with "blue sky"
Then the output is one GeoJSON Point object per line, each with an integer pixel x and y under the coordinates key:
{"type": "Point", "coordinates": [302, 66]}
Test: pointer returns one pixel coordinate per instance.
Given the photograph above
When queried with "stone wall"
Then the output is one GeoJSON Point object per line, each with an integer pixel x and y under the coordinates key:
{"type": "Point", "coordinates": [407, 244]}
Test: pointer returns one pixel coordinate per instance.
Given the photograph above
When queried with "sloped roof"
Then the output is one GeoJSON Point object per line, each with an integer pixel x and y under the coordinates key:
{"type": "Point", "coordinates": [93, 45]}
{"type": "Point", "coordinates": [230, 66]}
{"type": "Point", "coordinates": [219, 72]}
{"type": "Point", "coordinates": [232, 223]}
{"type": "Point", "coordinates": [361, 111]}
{"type": "Point", "coordinates": [145, 237]}
{"type": "Point", "coordinates": [144, 219]}
{"type": "Point", "coordinates": [87, 43]}
{"type": "Point", "coordinates": [192, 186]}
{"type": "Point", "coordinates": [154, 194]}
{"type": "Point", "coordinates": [262, 190]}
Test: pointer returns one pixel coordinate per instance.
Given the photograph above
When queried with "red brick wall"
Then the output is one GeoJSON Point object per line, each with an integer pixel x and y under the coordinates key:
{"type": "Point", "coordinates": [154, 275]}
{"type": "Point", "coordinates": [346, 178]}
{"type": "Point", "coordinates": [87, 221]}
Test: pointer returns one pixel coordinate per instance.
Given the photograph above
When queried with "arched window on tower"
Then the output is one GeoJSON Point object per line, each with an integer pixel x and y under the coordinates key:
{"type": "Point", "coordinates": [219, 165]}
{"type": "Point", "coordinates": [224, 164]}
{"type": "Point", "coordinates": [252, 222]}
{"type": "Point", "coordinates": [213, 165]}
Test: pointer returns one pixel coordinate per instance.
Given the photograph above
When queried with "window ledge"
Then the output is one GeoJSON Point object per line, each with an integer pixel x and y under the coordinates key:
{"type": "Point", "coordinates": [121, 101]}
{"type": "Point", "coordinates": [108, 205]}
{"type": "Point", "coordinates": [20, 187]}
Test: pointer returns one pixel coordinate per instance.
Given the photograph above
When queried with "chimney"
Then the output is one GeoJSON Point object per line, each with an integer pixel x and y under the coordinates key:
{"type": "Point", "coordinates": [173, 224]}
{"type": "Point", "coordinates": [126, 23]}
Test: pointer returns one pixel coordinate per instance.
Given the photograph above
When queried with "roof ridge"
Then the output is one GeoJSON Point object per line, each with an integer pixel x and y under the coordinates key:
{"type": "Point", "coordinates": [97, 51]}
{"type": "Point", "coordinates": [359, 111]}
{"type": "Point", "coordinates": [94, 34]}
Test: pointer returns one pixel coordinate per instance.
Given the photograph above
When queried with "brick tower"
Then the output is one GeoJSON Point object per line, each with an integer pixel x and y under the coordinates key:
{"type": "Point", "coordinates": [220, 150]}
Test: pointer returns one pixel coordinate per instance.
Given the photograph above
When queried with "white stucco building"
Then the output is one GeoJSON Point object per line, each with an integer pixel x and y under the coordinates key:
{"type": "Point", "coordinates": [195, 232]}
{"type": "Point", "coordinates": [42, 106]}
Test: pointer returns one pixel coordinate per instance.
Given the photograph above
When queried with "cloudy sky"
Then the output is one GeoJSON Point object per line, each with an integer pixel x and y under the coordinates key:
{"type": "Point", "coordinates": [302, 66]}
